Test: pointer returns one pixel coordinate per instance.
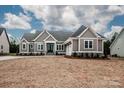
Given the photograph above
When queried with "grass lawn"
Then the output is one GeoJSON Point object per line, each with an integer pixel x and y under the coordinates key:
{"type": "Point", "coordinates": [57, 71]}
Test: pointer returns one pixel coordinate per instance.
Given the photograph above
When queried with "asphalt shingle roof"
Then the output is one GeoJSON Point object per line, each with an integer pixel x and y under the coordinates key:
{"type": "Point", "coordinates": [59, 35]}
{"type": "Point", "coordinates": [100, 35]}
{"type": "Point", "coordinates": [79, 31]}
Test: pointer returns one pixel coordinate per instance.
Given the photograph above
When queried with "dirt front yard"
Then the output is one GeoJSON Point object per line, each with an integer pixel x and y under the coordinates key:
{"type": "Point", "coordinates": [53, 71]}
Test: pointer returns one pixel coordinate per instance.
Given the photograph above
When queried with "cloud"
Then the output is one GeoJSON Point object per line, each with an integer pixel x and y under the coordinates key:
{"type": "Point", "coordinates": [67, 17]}
{"type": "Point", "coordinates": [13, 21]}
{"type": "Point", "coordinates": [33, 31]}
{"type": "Point", "coordinates": [114, 29]}
{"type": "Point", "coordinates": [12, 38]}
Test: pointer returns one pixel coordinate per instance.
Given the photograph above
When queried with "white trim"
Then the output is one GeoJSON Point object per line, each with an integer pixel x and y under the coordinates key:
{"type": "Point", "coordinates": [88, 44]}
{"type": "Point", "coordinates": [38, 35]}
{"type": "Point", "coordinates": [42, 33]}
{"type": "Point", "coordinates": [97, 44]}
{"type": "Point", "coordinates": [87, 30]}
{"type": "Point", "coordinates": [79, 44]}
{"type": "Point", "coordinates": [32, 46]}
{"type": "Point", "coordinates": [24, 39]}
{"type": "Point", "coordinates": [88, 38]}
{"type": "Point", "coordinates": [102, 46]}
{"type": "Point", "coordinates": [40, 47]}
{"type": "Point", "coordinates": [57, 45]}
{"type": "Point", "coordinates": [87, 51]}
{"type": "Point", "coordinates": [50, 41]}
{"type": "Point", "coordinates": [83, 32]}
{"type": "Point", "coordinates": [23, 43]}
{"type": "Point", "coordinates": [48, 37]}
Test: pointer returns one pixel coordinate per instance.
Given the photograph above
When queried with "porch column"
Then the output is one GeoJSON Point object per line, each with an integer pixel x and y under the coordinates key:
{"type": "Point", "coordinates": [45, 47]}
{"type": "Point", "coordinates": [97, 44]}
{"type": "Point", "coordinates": [55, 47]}
{"type": "Point", "coordinates": [79, 44]}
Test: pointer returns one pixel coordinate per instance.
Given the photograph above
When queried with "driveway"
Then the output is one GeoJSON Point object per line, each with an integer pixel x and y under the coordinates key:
{"type": "Point", "coordinates": [57, 71]}
{"type": "Point", "coordinates": [9, 57]}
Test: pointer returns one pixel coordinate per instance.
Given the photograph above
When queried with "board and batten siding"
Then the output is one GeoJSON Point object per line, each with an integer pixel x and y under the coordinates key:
{"type": "Point", "coordinates": [4, 42]}
{"type": "Point", "coordinates": [88, 34]}
{"type": "Point", "coordinates": [118, 46]}
{"type": "Point", "coordinates": [75, 44]}
{"type": "Point", "coordinates": [42, 37]}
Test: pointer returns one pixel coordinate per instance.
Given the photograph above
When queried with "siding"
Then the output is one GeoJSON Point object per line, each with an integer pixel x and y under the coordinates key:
{"type": "Point", "coordinates": [75, 44]}
{"type": "Point", "coordinates": [42, 37]}
{"type": "Point", "coordinates": [89, 34]}
{"type": "Point", "coordinates": [4, 42]}
{"type": "Point", "coordinates": [99, 45]}
{"type": "Point", "coordinates": [82, 45]}
{"type": "Point", "coordinates": [118, 46]}
{"type": "Point", "coordinates": [27, 46]}
{"type": "Point", "coordinates": [36, 45]}
{"type": "Point", "coordinates": [50, 39]}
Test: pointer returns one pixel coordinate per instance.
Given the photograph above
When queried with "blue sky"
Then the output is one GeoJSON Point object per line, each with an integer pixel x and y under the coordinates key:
{"type": "Point", "coordinates": [22, 19]}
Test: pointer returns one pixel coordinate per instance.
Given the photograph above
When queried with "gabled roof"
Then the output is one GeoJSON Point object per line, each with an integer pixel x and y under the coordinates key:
{"type": "Point", "coordinates": [58, 35]}
{"type": "Point", "coordinates": [79, 31]}
{"type": "Point", "coordinates": [100, 35]}
{"type": "Point", "coordinates": [30, 36]}
{"type": "Point", "coordinates": [117, 37]}
{"type": "Point", "coordinates": [1, 30]}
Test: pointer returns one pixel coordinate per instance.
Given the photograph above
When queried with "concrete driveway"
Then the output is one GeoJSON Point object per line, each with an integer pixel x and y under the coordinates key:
{"type": "Point", "coordinates": [9, 57]}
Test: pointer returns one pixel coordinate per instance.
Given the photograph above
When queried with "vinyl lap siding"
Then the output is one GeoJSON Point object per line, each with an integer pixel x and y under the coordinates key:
{"type": "Point", "coordinates": [82, 48]}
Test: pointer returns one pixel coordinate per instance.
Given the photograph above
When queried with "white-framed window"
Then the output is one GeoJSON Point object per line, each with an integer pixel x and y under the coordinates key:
{"type": "Point", "coordinates": [23, 46]}
{"type": "Point", "coordinates": [60, 47]}
{"type": "Point", "coordinates": [39, 47]}
{"type": "Point", "coordinates": [88, 44]}
{"type": "Point", "coordinates": [31, 46]}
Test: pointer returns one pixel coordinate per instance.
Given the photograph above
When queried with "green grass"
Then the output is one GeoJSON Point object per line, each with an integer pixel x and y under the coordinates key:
{"type": "Point", "coordinates": [12, 54]}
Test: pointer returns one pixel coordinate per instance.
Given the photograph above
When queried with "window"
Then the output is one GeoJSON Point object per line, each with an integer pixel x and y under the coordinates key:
{"type": "Point", "coordinates": [31, 46]}
{"type": "Point", "coordinates": [40, 47]}
{"type": "Point", "coordinates": [60, 47]}
{"type": "Point", "coordinates": [57, 47]}
{"type": "Point", "coordinates": [1, 46]}
{"type": "Point", "coordinates": [24, 46]}
{"type": "Point", "coordinates": [88, 44]}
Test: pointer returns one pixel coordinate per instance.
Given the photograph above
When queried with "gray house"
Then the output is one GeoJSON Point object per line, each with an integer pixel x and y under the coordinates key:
{"type": "Point", "coordinates": [84, 40]}
{"type": "Point", "coordinates": [4, 41]}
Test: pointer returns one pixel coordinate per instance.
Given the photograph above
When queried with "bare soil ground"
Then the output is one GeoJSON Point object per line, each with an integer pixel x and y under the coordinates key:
{"type": "Point", "coordinates": [53, 71]}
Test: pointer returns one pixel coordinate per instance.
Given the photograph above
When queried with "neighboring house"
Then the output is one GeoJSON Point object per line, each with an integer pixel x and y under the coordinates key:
{"type": "Point", "coordinates": [84, 40]}
{"type": "Point", "coordinates": [4, 41]}
{"type": "Point", "coordinates": [117, 46]}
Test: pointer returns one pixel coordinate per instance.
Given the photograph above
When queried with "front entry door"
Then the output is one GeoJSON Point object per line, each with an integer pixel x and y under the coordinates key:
{"type": "Point", "coordinates": [50, 47]}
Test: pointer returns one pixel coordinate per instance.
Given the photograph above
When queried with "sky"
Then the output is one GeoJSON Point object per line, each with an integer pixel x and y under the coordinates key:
{"type": "Point", "coordinates": [31, 18]}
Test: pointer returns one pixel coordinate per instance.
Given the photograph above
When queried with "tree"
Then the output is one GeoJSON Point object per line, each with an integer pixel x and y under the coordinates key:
{"type": "Point", "coordinates": [106, 47]}
{"type": "Point", "coordinates": [14, 48]}
{"type": "Point", "coordinates": [114, 36]}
